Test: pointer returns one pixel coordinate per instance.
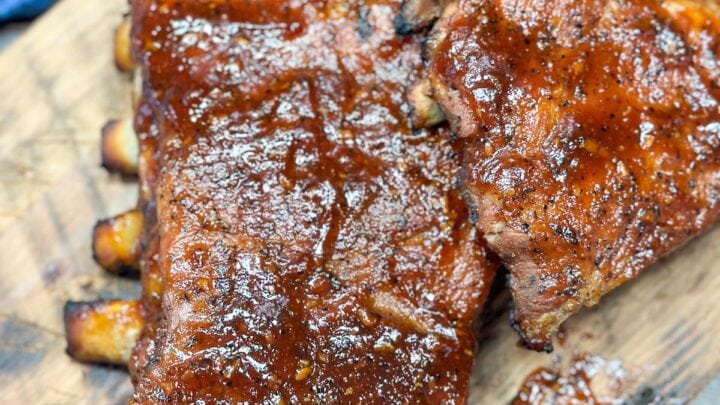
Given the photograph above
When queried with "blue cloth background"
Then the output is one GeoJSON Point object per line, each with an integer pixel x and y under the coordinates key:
{"type": "Point", "coordinates": [12, 10]}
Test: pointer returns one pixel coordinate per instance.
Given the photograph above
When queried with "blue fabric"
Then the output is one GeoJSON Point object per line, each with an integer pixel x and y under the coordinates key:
{"type": "Point", "coordinates": [12, 10]}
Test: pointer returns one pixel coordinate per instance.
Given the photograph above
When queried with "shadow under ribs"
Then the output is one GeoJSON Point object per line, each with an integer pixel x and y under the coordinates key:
{"type": "Point", "coordinates": [591, 136]}
{"type": "Point", "coordinates": [310, 245]}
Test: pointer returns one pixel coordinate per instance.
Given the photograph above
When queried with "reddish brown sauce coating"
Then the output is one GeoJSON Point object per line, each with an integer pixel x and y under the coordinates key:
{"type": "Point", "coordinates": [312, 246]}
{"type": "Point", "coordinates": [545, 386]}
{"type": "Point", "coordinates": [587, 380]}
{"type": "Point", "coordinates": [591, 134]}
{"type": "Point", "coordinates": [150, 276]}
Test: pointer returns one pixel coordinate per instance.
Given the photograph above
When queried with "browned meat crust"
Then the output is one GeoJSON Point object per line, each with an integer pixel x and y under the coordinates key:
{"type": "Point", "coordinates": [309, 245]}
{"type": "Point", "coordinates": [150, 277]}
{"type": "Point", "coordinates": [591, 136]}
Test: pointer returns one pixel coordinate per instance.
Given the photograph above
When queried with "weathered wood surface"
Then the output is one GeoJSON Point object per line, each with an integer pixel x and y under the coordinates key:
{"type": "Point", "coordinates": [58, 86]}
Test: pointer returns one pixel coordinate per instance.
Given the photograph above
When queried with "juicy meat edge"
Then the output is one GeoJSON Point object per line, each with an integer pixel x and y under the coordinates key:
{"type": "Point", "coordinates": [158, 269]}
{"type": "Point", "coordinates": [488, 60]}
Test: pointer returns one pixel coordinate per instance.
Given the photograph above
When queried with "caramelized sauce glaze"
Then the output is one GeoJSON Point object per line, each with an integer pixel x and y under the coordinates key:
{"type": "Point", "coordinates": [591, 133]}
{"type": "Point", "coordinates": [311, 246]}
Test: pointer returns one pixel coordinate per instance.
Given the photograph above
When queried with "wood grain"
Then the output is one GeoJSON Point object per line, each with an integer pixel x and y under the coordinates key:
{"type": "Point", "coordinates": [58, 86]}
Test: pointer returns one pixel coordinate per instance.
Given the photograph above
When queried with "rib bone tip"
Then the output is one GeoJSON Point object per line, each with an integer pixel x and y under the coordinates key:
{"type": "Point", "coordinates": [116, 243]}
{"type": "Point", "coordinates": [102, 331]}
{"type": "Point", "coordinates": [119, 147]}
{"type": "Point", "coordinates": [122, 49]}
{"type": "Point", "coordinates": [427, 112]}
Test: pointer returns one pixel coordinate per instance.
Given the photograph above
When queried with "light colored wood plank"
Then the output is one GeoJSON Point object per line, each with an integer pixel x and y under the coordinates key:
{"type": "Point", "coordinates": [663, 327]}
{"type": "Point", "coordinates": [58, 86]}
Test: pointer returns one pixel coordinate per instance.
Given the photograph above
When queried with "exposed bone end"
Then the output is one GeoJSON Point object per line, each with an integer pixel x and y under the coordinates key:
{"type": "Point", "coordinates": [123, 53]}
{"type": "Point", "coordinates": [459, 115]}
{"type": "Point", "coordinates": [102, 331]}
{"type": "Point", "coordinates": [119, 147]}
{"type": "Point", "coordinates": [427, 112]}
{"type": "Point", "coordinates": [116, 242]}
{"type": "Point", "coordinates": [416, 15]}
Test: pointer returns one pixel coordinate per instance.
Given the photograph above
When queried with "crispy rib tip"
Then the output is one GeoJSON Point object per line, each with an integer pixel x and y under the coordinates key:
{"type": "Point", "coordinates": [116, 243]}
{"type": "Point", "coordinates": [427, 112]}
{"type": "Point", "coordinates": [102, 331]}
{"type": "Point", "coordinates": [122, 49]}
{"type": "Point", "coordinates": [119, 147]}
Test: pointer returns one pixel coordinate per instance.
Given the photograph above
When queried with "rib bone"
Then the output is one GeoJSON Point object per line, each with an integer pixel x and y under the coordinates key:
{"type": "Point", "coordinates": [116, 242]}
{"type": "Point", "coordinates": [122, 52]}
{"type": "Point", "coordinates": [102, 331]}
{"type": "Point", "coordinates": [120, 147]}
{"type": "Point", "coordinates": [427, 112]}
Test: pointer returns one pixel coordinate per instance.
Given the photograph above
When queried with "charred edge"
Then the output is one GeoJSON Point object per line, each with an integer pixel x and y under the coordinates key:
{"type": "Point", "coordinates": [122, 49]}
{"type": "Point", "coordinates": [73, 314]}
{"type": "Point", "coordinates": [119, 147]}
{"type": "Point", "coordinates": [402, 25]}
{"type": "Point", "coordinates": [416, 15]}
{"type": "Point", "coordinates": [71, 311]}
{"type": "Point", "coordinates": [101, 332]}
{"type": "Point", "coordinates": [531, 344]}
{"type": "Point", "coordinates": [117, 243]}
{"type": "Point", "coordinates": [364, 28]}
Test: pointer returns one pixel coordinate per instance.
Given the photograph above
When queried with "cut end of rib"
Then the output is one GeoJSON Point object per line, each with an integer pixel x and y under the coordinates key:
{"type": "Point", "coordinates": [427, 112]}
{"type": "Point", "coordinates": [102, 332]}
{"type": "Point", "coordinates": [119, 147]}
{"type": "Point", "coordinates": [123, 53]}
{"type": "Point", "coordinates": [116, 243]}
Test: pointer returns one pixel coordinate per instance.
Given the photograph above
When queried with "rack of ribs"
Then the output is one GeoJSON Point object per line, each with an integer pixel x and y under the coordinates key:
{"type": "Point", "coordinates": [299, 240]}
{"type": "Point", "coordinates": [590, 133]}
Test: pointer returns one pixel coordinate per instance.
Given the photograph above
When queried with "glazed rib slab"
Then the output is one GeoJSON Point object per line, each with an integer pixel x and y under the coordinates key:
{"type": "Point", "coordinates": [311, 245]}
{"type": "Point", "coordinates": [591, 135]}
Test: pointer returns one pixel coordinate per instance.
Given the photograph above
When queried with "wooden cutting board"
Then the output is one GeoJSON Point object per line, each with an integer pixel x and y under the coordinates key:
{"type": "Point", "coordinates": [58, 86]}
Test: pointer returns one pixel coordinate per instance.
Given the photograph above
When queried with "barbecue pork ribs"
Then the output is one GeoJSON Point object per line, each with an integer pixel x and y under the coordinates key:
{"type": "Point", "coordinates": [301, 241]}
{"type": "Point", "coordinates": [591, 137]}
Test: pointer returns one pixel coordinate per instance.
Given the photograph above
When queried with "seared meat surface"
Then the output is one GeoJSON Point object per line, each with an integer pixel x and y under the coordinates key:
{"type": "Point", "coordinates": [310, 245]}
{"type": "Point", "coordinates": [148, 135]}
{"type": "Point", "coordinates": [591, 136]}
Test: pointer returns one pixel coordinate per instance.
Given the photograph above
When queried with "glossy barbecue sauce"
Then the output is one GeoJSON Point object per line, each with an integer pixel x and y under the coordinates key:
{"type": "Point", "coordinates": [591, 133]}
{"type": "Point", "coordinates": [586, 380]}
{"type": "Point", "coordinates": [545, 386]}
{"type": "Point", "coordinates": [150, 277]}
{"type": "Point", "coordinates": [312, 245]}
